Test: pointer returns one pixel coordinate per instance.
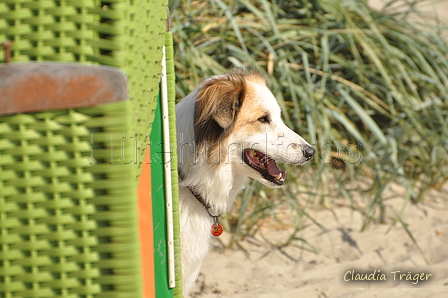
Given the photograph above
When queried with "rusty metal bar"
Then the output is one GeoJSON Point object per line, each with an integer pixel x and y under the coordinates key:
{"type": "Point", "coordinates": [32, 87]}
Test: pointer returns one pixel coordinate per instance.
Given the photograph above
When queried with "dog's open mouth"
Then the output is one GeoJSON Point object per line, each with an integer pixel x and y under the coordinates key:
{"type": "Point", "coordinates": [265, 165]}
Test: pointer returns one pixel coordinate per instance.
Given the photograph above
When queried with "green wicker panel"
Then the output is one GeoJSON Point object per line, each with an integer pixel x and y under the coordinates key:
{"type": "Point", "coordinates": [48, 30]}
{"type": "Point", "coordinates": [128, 34]}
{"type": "Point", "coordinates": [131, 37]}
{"type": "Point", "coordinates": [68, 218]}
{"type": "Point", "coordinates": [115, 199]}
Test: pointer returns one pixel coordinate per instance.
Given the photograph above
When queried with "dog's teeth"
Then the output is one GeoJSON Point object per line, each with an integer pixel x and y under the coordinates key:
{"type": "Point", "coordinates": [279, 177]}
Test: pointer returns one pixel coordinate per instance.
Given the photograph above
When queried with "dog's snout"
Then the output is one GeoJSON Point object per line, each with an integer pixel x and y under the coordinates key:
{"type": "Point", "coordinates": [308, 152]}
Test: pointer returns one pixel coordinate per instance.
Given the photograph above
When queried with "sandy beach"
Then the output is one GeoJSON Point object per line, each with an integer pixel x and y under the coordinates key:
{"type": "Point", "coordinates": [265, 270]}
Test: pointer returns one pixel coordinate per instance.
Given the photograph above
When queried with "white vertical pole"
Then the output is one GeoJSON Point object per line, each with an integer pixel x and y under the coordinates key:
{"type": "Point", "coordinates": [167, 173]}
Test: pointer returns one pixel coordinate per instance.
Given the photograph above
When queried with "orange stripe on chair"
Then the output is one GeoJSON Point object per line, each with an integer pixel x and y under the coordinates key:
{"type": "Point", "coordinates": [146, 227]}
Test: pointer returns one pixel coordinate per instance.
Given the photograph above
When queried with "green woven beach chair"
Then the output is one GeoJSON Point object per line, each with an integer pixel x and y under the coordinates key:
{"type": "Point", "coordinates": [73, 134]}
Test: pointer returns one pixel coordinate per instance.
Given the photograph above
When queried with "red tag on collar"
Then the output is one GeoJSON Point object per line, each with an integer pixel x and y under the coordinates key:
{"type": "Point", "coordinates": [216, 229]}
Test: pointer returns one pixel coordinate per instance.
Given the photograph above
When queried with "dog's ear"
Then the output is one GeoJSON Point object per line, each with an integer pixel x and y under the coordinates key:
{"type": "Point", "coordinates": [217, 104]}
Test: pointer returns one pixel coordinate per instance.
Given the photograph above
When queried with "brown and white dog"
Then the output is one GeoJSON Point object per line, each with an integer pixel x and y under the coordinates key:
{"type": "Point", "coordinates": [228, 129]}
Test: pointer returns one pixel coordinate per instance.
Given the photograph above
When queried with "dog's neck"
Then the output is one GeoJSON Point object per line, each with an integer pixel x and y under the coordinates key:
{"type": "Point", "coordinates": [216, 187]}
{"type": "Point", "coordinates": [207, 203]}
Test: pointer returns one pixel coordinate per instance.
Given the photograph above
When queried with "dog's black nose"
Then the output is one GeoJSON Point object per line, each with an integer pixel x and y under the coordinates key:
{"type": "Point", "coordinates": [308, 152]}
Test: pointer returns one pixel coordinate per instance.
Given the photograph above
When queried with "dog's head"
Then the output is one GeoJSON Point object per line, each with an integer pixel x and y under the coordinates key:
{"type": "Point", "coordinates": [238, 122]}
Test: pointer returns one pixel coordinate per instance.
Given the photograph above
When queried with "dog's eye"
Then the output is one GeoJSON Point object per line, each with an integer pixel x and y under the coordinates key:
{"type": "Point", "coordinates": [264, 119]}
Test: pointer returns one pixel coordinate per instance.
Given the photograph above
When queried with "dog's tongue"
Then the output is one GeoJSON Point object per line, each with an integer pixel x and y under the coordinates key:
{"type": "Point", "coordinates": [272, 168]}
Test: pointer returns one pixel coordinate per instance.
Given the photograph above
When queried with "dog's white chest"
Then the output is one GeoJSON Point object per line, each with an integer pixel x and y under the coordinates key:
{"type": "Point", "coordinates": [195, 226]}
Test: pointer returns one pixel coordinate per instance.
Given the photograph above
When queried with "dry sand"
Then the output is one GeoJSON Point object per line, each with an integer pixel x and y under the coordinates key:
{"type": "Point", "coordinates": [294, 271]}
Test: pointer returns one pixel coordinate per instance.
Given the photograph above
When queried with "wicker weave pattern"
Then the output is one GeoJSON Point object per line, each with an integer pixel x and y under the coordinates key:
{"type": "Point", "coordinates": [131, 37]}
{"type": "Point", "coordinates": [121, 33]}
{"type": "Point", "coordinates": [48, 30]}
{"type": "Point", "coordinates": [114, 149]}
{"type": "Point", "coordinates": [57, 205]}
{"type": "Point", "coordinates": [49, 233]}
{"type": "Point", "coordinates": [68, 218]}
